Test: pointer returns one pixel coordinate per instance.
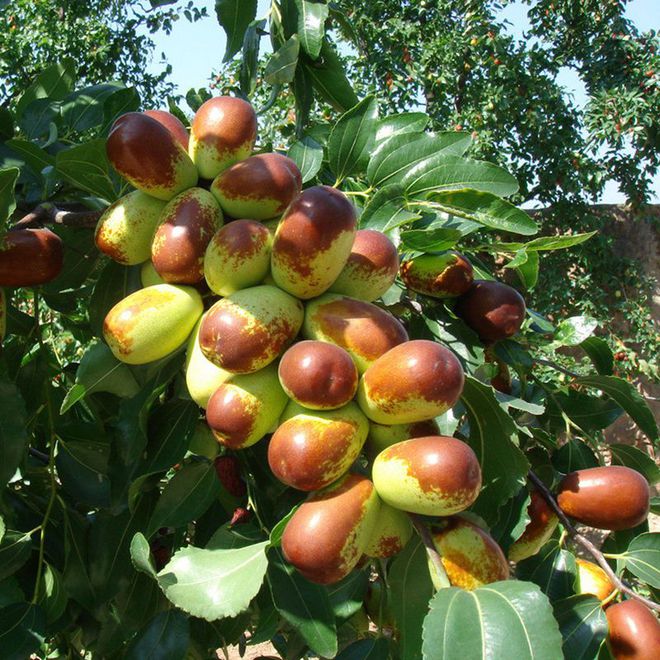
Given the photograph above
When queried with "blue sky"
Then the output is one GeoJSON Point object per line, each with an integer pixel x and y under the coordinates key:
{"type": "Point", "coordinates": [194, 50]}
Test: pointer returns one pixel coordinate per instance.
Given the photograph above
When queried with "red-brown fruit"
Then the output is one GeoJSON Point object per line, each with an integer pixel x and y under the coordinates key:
{"type": "Point", "coordinates": [29, 257]}
{"type": "Point", "coordinates": [172, 124]}
{"type": "Point", "coordinates": [438, 275]}
{"type": "Point", "coordinates": [228, 470]}
{"type": "Point", "coordinates": [541, 525]}
{"type": "Point", "coordinates": [634, 631]}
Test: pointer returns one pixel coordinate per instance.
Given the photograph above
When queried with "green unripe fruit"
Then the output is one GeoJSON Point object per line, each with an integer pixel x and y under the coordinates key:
{"type": "Point", "coordinates": [392, 531]}
{"type": "Point", "coordinates": [149, 276]}
{"type": "Point", "coordinates": [438, 275]}
{"type": "Point", "coordinates": [382, 436]}
{"type": "Point", "coordinates": [203, 443]}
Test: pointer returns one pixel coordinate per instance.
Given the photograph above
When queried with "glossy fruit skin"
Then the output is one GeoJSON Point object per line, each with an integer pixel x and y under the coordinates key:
{"type": "Point", "coordinates": [382, 436]}
{"type": "Point", "coordinates": [147, 155]}
{"type": "Point", "coordinates": [237, 257]}
{"type": "Point", "coordinates": [259, 187]}
{"type": "Point", "coordinates": [593, 580]}
{"type": "Point", "coordinates": [470, 555]}
{"type": "Point", "coordinates": [371, 268]}
{"type": "Point", "coordinates": [187, 224]}
{"type": "Point", "coordinates": [392, 532]}
{"type": "Point", "coordinates": [492, 309]}
{"type": "Point", "coordinates": [412, 382]}
{"type": "Point", "coordinates": [634, 631]}
{"type": "Point", "coordinates": [613, 497]}
{"type": "Point", "coordinates": [172, 124]}
{"type": "Point", "coordinates": [434, 475]}
{"type": "Point", "coordinates": [150, 323]}
{"type": "Point", "coordinates": [542, 523]}
{"type": "Point", "coordinates": [364, 330]}
{"type": "Point", "coordinates": [438, 275]}
{"type": "Point", "coordinates": [249, 329]}
{"type": "Point", "coordinates": [318, 375]}
{"type": "Point", "coordinates": [29, 257]}
{"type": "Point", "coordinates": [328, 533]}
{"type": "Point", "coordinates": [149, 276]}
{"type": "Point", "coordinates": [311, 449]}
{"type": "Point", "coordinates": [223, 132]}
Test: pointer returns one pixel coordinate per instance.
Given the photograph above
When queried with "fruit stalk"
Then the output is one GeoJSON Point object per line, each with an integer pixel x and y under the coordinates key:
{"type": "Point", "coordinates": [433, 554]}
{"type": "Point", "coordinates": [49, 214]}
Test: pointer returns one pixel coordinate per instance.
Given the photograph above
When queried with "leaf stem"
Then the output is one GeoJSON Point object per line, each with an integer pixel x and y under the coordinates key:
{"type": "Point", "coordinates": [431, 551]}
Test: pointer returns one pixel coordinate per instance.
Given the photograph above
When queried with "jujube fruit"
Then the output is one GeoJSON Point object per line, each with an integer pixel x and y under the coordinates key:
{"type": "Point", "coordinates": [29, 257]}
{"type": "Point", "coordinates": [173, 124]}
{"type": "Point", "coordinates": [592, 579]}
{"type": "Point", "coordinates": [438, 275]}
{"type": "Point", "coordinates": [542, 523]}
{"type": "Point", "coordinates": [392, 532]}
{"type": "Point", "coordinates": [382, 436]}
{"type": "Point", "coordinates": [634, 631]}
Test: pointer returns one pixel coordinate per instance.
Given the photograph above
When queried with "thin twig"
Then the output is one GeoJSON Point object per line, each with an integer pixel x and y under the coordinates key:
{"type": "Point", "coordinates": [587, 544]}
{"type": "Point", "coordinates": [558, 367]}
{"type": "Point", "coordinates": [431, 550]}
{"type": "Point", "coordinates": [49, 214]}
{"type": "Point", "coordinates": [39, 455]}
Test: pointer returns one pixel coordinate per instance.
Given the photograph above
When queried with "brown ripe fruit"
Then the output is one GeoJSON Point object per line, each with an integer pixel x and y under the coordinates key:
{"type": "Point", "coordinates": [318, 375]}
{"type": "Point", "coordinates": [438, 275]}
{"type": "Point", "coordinates": [172, 124]}
{"type": "Point", "coordinates": [541, 525]}
{"type": "Point", "coordinates": [592, 579]}
{"type": "Point", "coordinates": [613, 497]}
{"type": "Point", "coordinates": [29, 257]}
{"type": "Point", "coordinates": [634, 631]}
{"type": "Point", "coordinates": [228, 470]}
{"type": "Point", "coordinates": [492, 309]}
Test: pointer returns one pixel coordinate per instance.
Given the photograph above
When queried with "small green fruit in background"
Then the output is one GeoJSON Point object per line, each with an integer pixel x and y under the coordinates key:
{"type": "Point", "coordinates": [149, 276]}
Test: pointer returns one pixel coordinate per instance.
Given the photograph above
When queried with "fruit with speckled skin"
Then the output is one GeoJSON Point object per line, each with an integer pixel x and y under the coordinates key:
{"type": "Point", "coordinates": [149, 276]}
{"type": "Point", "coordinates": [203, 377]}
{"type": "Point", "coordinates": [412, 382]}
{"type": "Point", "coordinates": [260, 187]}
{"type": "Point", "coordinates": [542, 523]}
{"type": "Point", "coordinates": [371, 268]}
{"type": "Point", "coordinates": [223, 131]}
{"type": "Point", "coordinates": [237, 257]}
{"type": "Point", "coordinates": [364, 330]}
{"type": "Point", "coordinates": [149, 157]}
{"type": "Point", "coordinates": [392, 531]}
{"type": "Point", "coordinates": [150, 323]}
{"type": "Point", "coordinates": [382, 436]}
{"type": "Point", "coordinates": [328, 533]}
{"type": "Point", "coordinates": [243, 409]}
{"type": "Point", "coordinates": [311, 449]}
{"type": "Point", "coordinates": [318, 375]}
{"type": "Point", "coordinates": [172, 124]}
{"type": "Point", "coordinates": [634, 631]}
{"type": "Point", "coordinates": [592, 579]}
{"type": "Point", "coordinates": [3, 314]}
{"type": "Point", "coordinates": [492, 309]}
{"type": "Point", "coordinates": [187, 224]}
{"type": "Point", "coordinates": [613, 497]}
{"type": "Point", "coordinates": [469, 555]}
{"type": "Point", "coordinates": [438, 275]}
{"type": "Point", "coordinates": [29, 257]}
{"type": "Point", "coordinates": [435, 475]}
{"type": "Point", "coordinates": [249, 329]}
{"type": "Point", "coordinates": [313, 241]}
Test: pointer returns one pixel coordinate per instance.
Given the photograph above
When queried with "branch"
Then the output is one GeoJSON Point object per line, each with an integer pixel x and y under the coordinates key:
{"type": "Point", "coordinates": [557, 367]}
{"type": "Point", "coordinates": [587, 544]}
{"type": "Point", "coordinates": [49, 214]}
{"type": "Point", "coordinates": [431, 551]}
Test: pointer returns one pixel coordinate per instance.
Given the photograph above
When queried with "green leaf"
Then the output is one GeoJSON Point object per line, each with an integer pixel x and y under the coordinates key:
{"type": "Point", "coordinates": [588, 412]}
{"type": "Point", "coordinates": [552, 569]}
{"type": "Point", "coordinates": [574, 455]}
{"type": "Point", "coordinates": [83, 109]}
{"type": "Point", "coordinates": [141, 555]}
{"type": "Point", "coordinates": [583, 626]}
{"type": "Point", "coordinates": [519, 259]}
{"type": "Point", "coordinates": [386, 210]}
{"type": "Point", "coordinates": [403, 123]}
{"type": "Point", "coordinates": [504, 619]}
{"type": "Point", "coordinates": [76, 568]}
{"type": "Point", "coordinates": [574, 330]}
{"type": "Point", "coordinates": [250, 60]}
{"type": "Point", "coordinates": [529, 271]}
{"type": "Point", "coordinates": [366, 649]}
{"type": "Point", "coordinates": [642, 558]}
{"type": "Point", "coordinates": [13, 429]}
{"type": "Point", "coordinates": [600, 354]}
{"type": "Point", "coordinates": [86, 167]}
{"type": "Point", "coordinates": [307, 154]}
{"type": "Point", "coordinates": [52, 597]}
{"type": "Point", "coordinates": [8, 180]}
{"type": "Point", "coordinates": [431, 240]}
{"type": "Point", "coordinates": [166, 636]}
{"type": "Point", "coordinates": [347, 596]}
{"type": "Point", "coordinates": [53, 83]}
{"type": "Point", "coordinates": [15, 550]}
{"type": "Point", "coordinates": [544, 243]}
{"type": "Point", "coordinates": [281, 66]}
{"type": "Point", "coordinates": [234, 16]}
{"type": "Point", "coordinates": [637, 460]}
{"type": "Point", "coordinates": [512, 520]}
{"type": "Point", "coordinates": [213, 584]}
{"type": "Point", "coordinates": [311, 25]}
{"type": "Point", "coordinates": [34, 156]}
{"type": "Point", "coordinates": [22, 630]}
{"type": "Point", "coordinates": [118, 103]}
{"type": "Point", "coordinates": [40, 119]}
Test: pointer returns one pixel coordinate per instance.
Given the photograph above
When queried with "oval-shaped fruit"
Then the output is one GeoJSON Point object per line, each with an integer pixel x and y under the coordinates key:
{"type": "Point", "coordinates": [371, 268]}
{"type": "Point", "coordinates": [223, 131]}
{"type": "Point", "coordinates": [203, 442]}
{"type": "Point", "coordinates": [327, 535]}
{"type": "Point", "coordinates": [126, 228]}
{"type": "Point", "coordinates": [173, 124]}
{"type": "Point", "coordinates": [382, 436]}
{"type": "Point", "coordinates": [149, 276]}
{"type": "Point", "coordinates": [438, 275]}
{"type": "Point", "coordinates": [249, 329]}
{"type": "Point", "coordinates": [311, 449]}
{"type": "Point", "coordinates": [392, 531]}
{"type": "Point", "coordinates": [3, 314]}
{"type": "Point", "coordinates": [149, 157]}
{"type": "Point", "coordinates": [237, 257]}
{"type": "Point", "coordinates": [412, 382]}
{"type": "Point", "coordinates": [469, 555]}
{"type": "Point", "coordinates": [260, 187]}
{"type": "Point", "coordinates": [313, 241]}
{"type": "Point", "coordinates": [243, 409]}
{"type": "Point", "coordinates": [592, 579]}
{"type": "Point", "coordinates": [613, 497]}
{"type": "Point", "coordinates": [364, 330]}
{"type": "Point", "coordinates": [542, 523]}
{"type": "Point", "coordinates": [634, 631]}
{"type": "Point", "coordinates": [435, 476]}
{"type": "Point", "coordinates": [29, 257]}
{"type": "Point", "coordinates": [187, 224]}
{"type": "Point", "coordinates": [150, 323]}
{"type": "Point", "coordinates": [492, 309]}
{"type": "Point", "coordinates": [318, 375]}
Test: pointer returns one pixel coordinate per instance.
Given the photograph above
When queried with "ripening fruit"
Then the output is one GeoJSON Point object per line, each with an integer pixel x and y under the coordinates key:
{"type": "Point", "coordinates": [318, 375]}
{"type": "Point", "coordinates": [382, 436]}
{"type": "Point", "coordinates": [592, 579]}
{"type": "Point", "coordinates": [492, 309]}
{"type": "Point", "coordinates": [364, 330]}
{"type": "Point", "coordinates": [613, 497]}
{"type": "Point", "coordinates": [243, 409]}
{"type": "Point", "coordinates": [634, 631]}
{"type": "Point", "coordinates": [249, 329]}
{"type": "Point", "coordinates": [371, 268]}
{"type": "Point", "coordinates": [187, 224]}
{"type": "Point", "coordinates": [541, 525]}
{"type": "Point", "coordinates": [260, 187]}
{"type": "Point", "coordinates": [150, 323]}
{"type": "Point", "coordinates": [172, 124]}
{"type": "Point", "coordinates": [223, 131]}
{"type": "Point", "coordinates": [392, 531]}
{"type": "Point", "coordinates": [149, 276]}
{"type": "Point", "coordinates": [237, 257]}
{"type": "Point", "coordinates": [438, 275]}
{"type": "Point", "coordinates": [29, 257]}
{"type": "Point", "coordinates": [436, 475]}
{"type": "Point", "coordinates": [327, 535]}
{"type": "Point", "coordinates": [412, 382]}
{"type": "Point", "coordinates": [469, 555]}
{"type": "Point", "coordinates": [313, 241]}
{"type": "Point", "coordinates": [147, 155]}
{"type": "Point", "coordinates": [3, 314]}
{"type": "Point", "coordinates": [311, 449]}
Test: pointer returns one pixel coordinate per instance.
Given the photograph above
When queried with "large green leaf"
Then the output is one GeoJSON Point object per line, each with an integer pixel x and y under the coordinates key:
{"type": "Point", "coordinates": [166, 636]}
{"type": "Point", "coordinates": [347, 596]}
{"type": "Point", "coordinates": [637, 460]}
{"type": "Point", "coordinates": [329, 79]}
{"type": "Point", "coordinates": [403, 123]}
{"type": "Point", "coordinates": [84, 108]}
{"type": "Point", "coordinates": [574, 330]}
{"type": "Point", "coordinates": [54, 83]}
{"type": "Point", "coordinates": [552, 569]}
{"type": "Point", "coordinates": [8, 180]}
{"type": "Point", "coordinates": [588, 412]}
{"type": "Point", "coordinates": [281, 66]}
{"type": "Point", "coordinates": [15, 550]}
{"type": "Point", "coordinates": [642, 558]}
{"type": "Point", "coordinates": [386, 210]}
{"type": "Point", "coordinates": [574, 455]}
{"type": "Point", "coordinates": [13, 429]}
{"type": "Point", "coordinates": [34, 156]}
{"type": "Point", "coordinates": [76, 569]}
{"type": "Point", "coordinates": [502, 620]}
{"type": "Point", "coordinates": [512, 520]}
{"type": "Point", "coordinates": [250, 57]}
{"type": "Point", "coordinates": [22, 630]}
{"type": "Point", "coordinates": [600, 354]}
{"type": "Point", "coordinates": [431, 240]}
{"type": "Point", "coordinates": [366, 649]}
{"type": "Point", "coordinates": [545, 243]}
{"type": "Point", "coordinates": [118, 103]}
{"type": "Point", "coordinates": [583, 626]}
{"type": "Point", "coordinates": [86, 167]}
{"type": "Point", "coordinates": [311, 25]}
{"type": "Point", "coordinates": [307, 154]}
{"type": "Point", "coordinates": [234, 16]}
